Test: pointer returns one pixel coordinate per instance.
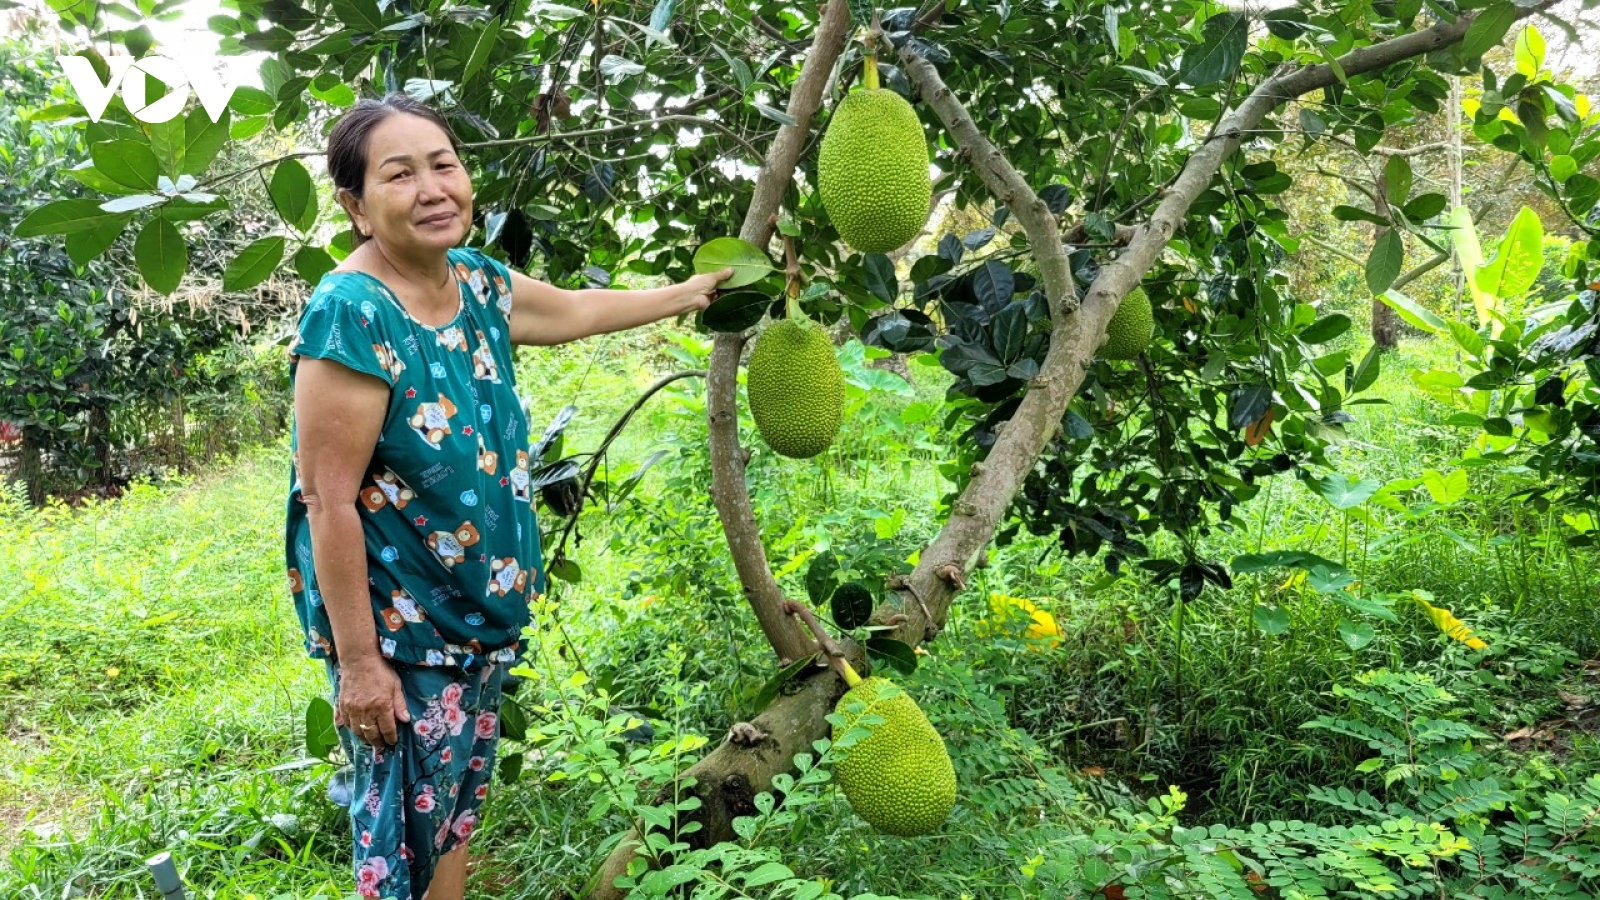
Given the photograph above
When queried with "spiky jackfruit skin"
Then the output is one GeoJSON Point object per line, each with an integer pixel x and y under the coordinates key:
{"type": "Point", "coordinates": [872, 171]}
{"type": "Point", "coordinates": [1131, 328]}
{"type": "Point", "coordinates": [796, 388]}
{"type": "Point", "coordinates": [899, 778]}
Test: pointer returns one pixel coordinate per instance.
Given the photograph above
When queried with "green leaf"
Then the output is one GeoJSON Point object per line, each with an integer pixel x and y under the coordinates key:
{"type": "Point", "coordinates": [1530, 51]}
{"type": "Point", "coordinates": [204, 140]}
{"type": "Point", "coordinates": [1248, 405]}
{"type": "Point", "coordinates": [510, 767]}
{"type": "Point", "coordinates": [1469, 254]}
{"type": "Point", "coordinates": [1347, 213]}
{"type": "Point", "coordinates": [251, 101]}
{"type": "Point", "coordinates": [1425, 206]}
{"type": "Point", "coordinates": [566, 570]}
{"type": "Point", "coordinates": [513, 721]}
{"type": "Point", "coordinates": [312, 263]}
{"type": "Point", "coordinates": [1356, 634]}
{"type": "Point", "coordinates": [481, 51]}
{"type": "Point", "coordinates": [851, 605]}
{"type": "Point", "coordinates": [766, 874]}
{"type": "Point", "coordinates": [880, 276]}
{"type": "Point", "coordinates": [1326, 328]}
{"type": "Point", "coordinates": [1563, 167]}
{"type": "Point", "coordinates": [162, 255]}
{"type": "Point", "coordinates": [896, 653]}
{"type": "Point", "coordinates": [748, 262]}
{"type": "Point", "coordinates": [1397, 179]}
{"type": "Point", "coordinates": [1467, 339]}
{"type": "Point", "coordinates": [821, 577]}
{"type": "Point", "coordinates": [1225, 38]}
{"type": "Point", "coordinates": [362, 15]}
{"type": "Point", "coordinates": [1273, 620]}
{"type": "Point", "coordinates": [128, 163]}
{"type": "Point", "coordinates": [1343, 491]}
{"type": "Point", "coordinates": [1488, 29]}
{"type": "Point", "coordinates": [1517, 259]}
{"type": "Point", "coordinates": [167, 142]}
{"type": "Point", "coordinates": [293, 195]}
{"type": "Point", "coordinates": [1413, 313]}
{"type": "Point", "coordinates": [321, 735]}
{"type": "Point", "coordinates": [65, 217]}
{"type": "Point", "coordinates": [769, 690]}
{"type": "Point", "coordinates": [1384, 262]}
{"type": "Point", "coordinates": [1367, 373]}
{"type": "Point", "coordinates": [83, 246]}
{"type": "Point", "coordinates": [254, 264]}
{"type": "Point", "coordinates": [1446, 489]}
{"type": "Point", "coordinates": [735, 312]}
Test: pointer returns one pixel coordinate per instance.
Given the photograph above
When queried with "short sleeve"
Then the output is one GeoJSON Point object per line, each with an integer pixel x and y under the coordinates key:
{"type": "Point", "coordinates": [493, 287]}
{"type": "Point", "coordinates": [345, 329]}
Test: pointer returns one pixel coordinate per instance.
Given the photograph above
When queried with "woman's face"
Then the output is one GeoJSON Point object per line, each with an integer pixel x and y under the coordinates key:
{"type": "Point", "coordinates": [417, 195]}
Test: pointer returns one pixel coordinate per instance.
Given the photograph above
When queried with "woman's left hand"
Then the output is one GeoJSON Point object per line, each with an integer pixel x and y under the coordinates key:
{"type": "Point", "coordinates": [701, 290]}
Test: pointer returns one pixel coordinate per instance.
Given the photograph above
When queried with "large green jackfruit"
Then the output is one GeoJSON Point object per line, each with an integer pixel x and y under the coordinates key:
{"type": "Point", "coordinates": [796, 388]}
{"type": "Point", "coordinates": [1131, 328]}
{"type": "Point", "coordinates": [899, 778]}
{"type": "Point", "coordinates": [872, 171]}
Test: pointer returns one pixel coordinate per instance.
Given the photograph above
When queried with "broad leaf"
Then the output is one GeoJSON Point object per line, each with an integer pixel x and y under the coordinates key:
{"type": "Point", "coordinates": [1326, 328]}
{"type": "Point", "coordinates": [321, 735]}
{"type": "Point", "coordinates": [736, 311]}
{"type": "Point", "coordinates": [1343, 491]}
{"type": "Point", "coordinates": [65, 217]}
{"type": "Point", "coordinates": [1383, 264]}
{"type": "Point", "coordinates": [1488, 28]}
{"type": "Point", "coordinates": [1356, 635]}
{"type": "Point", "coordinates": [851, 605]}
{"type": "Point", "coordinates": [1273, 620]}
{"type": "Point", "coordinates": [1413, 313]}
{"type": "Point", "coordinates": [254, 264]}
{"type": "Point", "coordinates": [293, 195]}
{"type": "Point", "coordinates": [162, 255]}
{"type": "Point", "coordinates": [895, 653]}
{"type": "Point", "coordinates": [748, 262]}
{"type": "Point", "coordinates": [1217, 57]}
{"type": "Point", "coordinates": [1517, 259]}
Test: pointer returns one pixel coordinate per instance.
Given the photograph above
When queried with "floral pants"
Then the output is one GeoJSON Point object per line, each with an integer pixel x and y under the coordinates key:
{"type": "Point", "coordinates": [418, 800]}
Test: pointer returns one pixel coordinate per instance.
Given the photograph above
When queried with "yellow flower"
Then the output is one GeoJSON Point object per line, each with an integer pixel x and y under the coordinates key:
{"type": "Point", "coordinates": [1446, 621]}
{"type": "Point", "coordinates": [1004, 611]}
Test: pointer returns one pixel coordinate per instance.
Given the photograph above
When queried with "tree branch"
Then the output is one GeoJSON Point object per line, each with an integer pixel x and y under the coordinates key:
{"type": "Point", "coordinates": [728, 778]}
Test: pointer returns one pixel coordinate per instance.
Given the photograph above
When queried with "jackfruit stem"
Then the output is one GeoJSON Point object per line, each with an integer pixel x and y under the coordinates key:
{"type": "Point", "coordinates": [830, 648]}
{"type": "Point", "coordinates": [869, 75]}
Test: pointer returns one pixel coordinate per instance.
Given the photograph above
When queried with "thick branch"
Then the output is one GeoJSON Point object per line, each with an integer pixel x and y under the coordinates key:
{"type": "Point", "coordinates": [728, 779]}
{"type": "Point", "coordinates": [728, 488]}
{"type": "Point", "coordinates": [1003, 181]}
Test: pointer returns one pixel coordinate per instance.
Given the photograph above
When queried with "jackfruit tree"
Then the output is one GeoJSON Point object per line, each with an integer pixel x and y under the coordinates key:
{"type": "Point", "coordinates": [1105, 148]}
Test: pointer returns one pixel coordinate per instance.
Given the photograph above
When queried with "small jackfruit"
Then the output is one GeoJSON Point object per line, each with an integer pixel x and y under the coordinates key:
{"type": "Point", "coordinates": [872, 171]}
{"type": "Point", "coordinates": [899, 778]}
{"type": "Point", "coordinates": [796, 388]}
{"type": "Point", "coordinates": [1131, 328]}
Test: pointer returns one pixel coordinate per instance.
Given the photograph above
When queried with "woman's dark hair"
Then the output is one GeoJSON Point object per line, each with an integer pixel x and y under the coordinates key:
{"type": "Point", "coordinates": [348, 142]}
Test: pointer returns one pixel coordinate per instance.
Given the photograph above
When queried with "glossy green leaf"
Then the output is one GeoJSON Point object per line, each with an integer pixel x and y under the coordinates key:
{"type": "Point", "coordinates": [1343, 491]}
{"type": "Point", "coordinates": [1488, 28]}
{"type": "Point", "coordinates": [83, 246]}
{"type": "Point", "coordinates": [322, 738]}
{"type": "Point", "coordinates": [311, 263]}
{"type": "Point", "coordinates": [1529, 51]}
{"type": "Point", "coordinates": [362, 15]}
{"type": "Point", "coordinates": [1469, 255]}
{"type": "Point", "coordinates": [1414, 313]}
{"type": "Point", "coordinates": [254, 264]}
{"type": "Point", "coordinates": [127, 162]}
{"type": "Point", "coordinates": [204, 139]}
{"type": "Point", "coordinates": [896, 653]}
{"type": "Point", "coordinates": [1217, 57]}
{"type": "Point", "coordinates": [481, 51]}
{"type": "Point", "coordinates": [64, 217]}
{"type": "Point", "coordinates": [1326, 328]}
{"type": "Point", "coordinates": [293, 195]}
{"type": "Point", "coordinates": [1272, 620]}
{"type": "Point", "coordinates": [1384, 262]}
{"type": "Point", "coordinates": [1397, 179]}
{"type": "Point", "coordinates": [748, 262]}
{"type": "Point", "coordinates": [1517, 260]}
{"type": "Point", "coordinates": [162, 255]}
{"type": "Point", "coordinates": [1356, 635]}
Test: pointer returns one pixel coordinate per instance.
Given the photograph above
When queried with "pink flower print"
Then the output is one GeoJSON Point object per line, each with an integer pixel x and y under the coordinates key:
{"type": "Point", "coordinates": [454, 790]}
{"type": "Point", "coordinates": [481, 792]}
{"type": "Point", "coordinates": [477, 763]}
{"type": "Point", "coordinates": [464, 826]}
{"type": "Point", "coordinates": [446, 755]}
{"type": "Point", "coordinates": [452, 696]}
{"type": "Point", "coordinates": [366, 839]}
{"type": "Point", "coordinates": [405, 853]}
{"type": "Point", "coordinates": [425, 802]}
{"type": "Point", "coordinates": [373, 871]}
{"type": "Point", "coordinates": [372, 800]}
{"type": "Point", "coordinates": [441, 834]}
{"type": "Point", "coordinates": [486, 725]}
{"type": "Point", "coordinates": [377, 755]}
{"type": "Point", "coordinates": [423, 728]}
{"type": "Point", "coordinates": [455, 719]}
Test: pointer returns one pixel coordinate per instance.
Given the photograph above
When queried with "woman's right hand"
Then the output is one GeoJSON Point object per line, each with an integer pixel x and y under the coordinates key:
{"type": "Point", "coordinates": [371, 701]}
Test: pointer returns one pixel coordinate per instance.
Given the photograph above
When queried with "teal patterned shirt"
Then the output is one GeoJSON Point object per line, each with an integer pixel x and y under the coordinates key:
{"type": "Point", "coordinates": [446, 505]}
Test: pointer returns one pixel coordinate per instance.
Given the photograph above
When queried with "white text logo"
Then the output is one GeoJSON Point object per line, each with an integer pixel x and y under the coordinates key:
{"type": "Point", "coordinates": [177, 75]}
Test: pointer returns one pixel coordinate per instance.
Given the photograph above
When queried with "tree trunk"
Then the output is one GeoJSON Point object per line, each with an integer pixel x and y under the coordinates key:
{"type": "Point", "coordinates": [100, 440]}
{"type": "Point", "coordinates": [30, 466]}
{"type": "Point", "coordinates": [1385, 324]}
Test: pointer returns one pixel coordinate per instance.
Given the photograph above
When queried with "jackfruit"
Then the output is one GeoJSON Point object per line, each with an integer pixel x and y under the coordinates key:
{"type": "Point", "coordinates": [872, 171]}
{"type": "Point", "coordinates": [1006, 615]}
{"type": "Point", "coordinates": [1131, 328]}
{"type": "Point", "coordinates": [899, 778]}
{"type": "Point", "coordinates": [796, 388]}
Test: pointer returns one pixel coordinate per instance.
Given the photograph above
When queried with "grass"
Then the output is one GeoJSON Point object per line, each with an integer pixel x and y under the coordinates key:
{"type": "Point", "coordinates": [152, 682]}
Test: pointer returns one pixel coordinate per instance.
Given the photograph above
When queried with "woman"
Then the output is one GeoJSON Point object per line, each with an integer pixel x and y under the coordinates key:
{"type": "Point", "coordinates": [411, 542]}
